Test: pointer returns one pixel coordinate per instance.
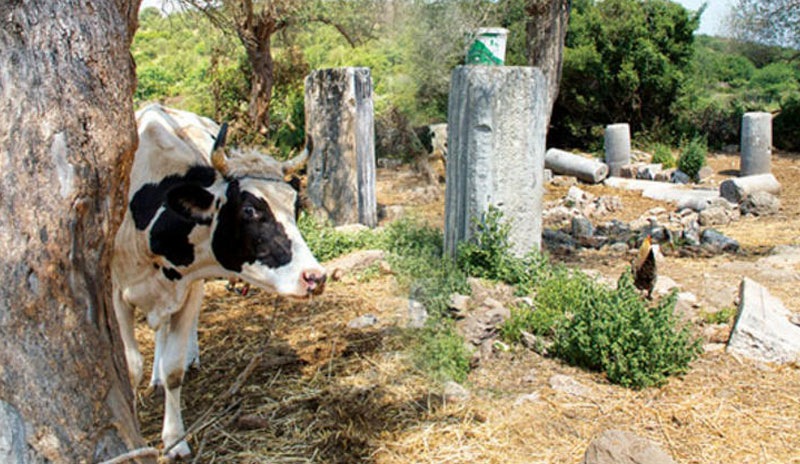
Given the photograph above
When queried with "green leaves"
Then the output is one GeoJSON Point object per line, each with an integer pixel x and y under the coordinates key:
{"type": "Point", "coordinates": [614, 331]}
{"type": "Point", "coordinates": [693, 157]}
{"type": "Point", "coordinates": [624, 61]}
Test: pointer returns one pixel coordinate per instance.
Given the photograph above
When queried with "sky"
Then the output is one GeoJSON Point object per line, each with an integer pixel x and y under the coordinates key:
{"type": "Point", "coordinates": [711, 23]}
{"type": "Point", "coordinates": [713, 20]}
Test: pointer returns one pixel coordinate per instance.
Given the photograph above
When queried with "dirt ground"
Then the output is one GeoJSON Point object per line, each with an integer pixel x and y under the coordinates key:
{"type": "Point", "coordinates": [322, 392]}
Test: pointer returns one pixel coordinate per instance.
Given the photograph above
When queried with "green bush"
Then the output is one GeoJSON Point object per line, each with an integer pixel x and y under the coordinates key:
{"type": "Point", "coordinates": [663, 154]}
{"type": "Point", "coordinates": [786, 125]}
{"type": "Point", "coordinates": [614, 331]}
{"type": "Point", "coordinates": [693, 157]}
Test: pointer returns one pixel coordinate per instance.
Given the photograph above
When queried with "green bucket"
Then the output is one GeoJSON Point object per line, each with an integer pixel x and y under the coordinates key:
{"type": "Point", "coordinates": [489, 47]}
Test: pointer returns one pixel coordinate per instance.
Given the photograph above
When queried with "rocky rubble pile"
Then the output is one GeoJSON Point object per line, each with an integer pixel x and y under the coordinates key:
{"type": "Point", "coordinates": [569, 226]}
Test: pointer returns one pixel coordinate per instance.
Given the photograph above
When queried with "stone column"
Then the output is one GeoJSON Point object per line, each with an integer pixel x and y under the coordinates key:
{"type": "Point", "coordinates": [341, 168]}
{"type": "Point", "coordinates": [585, 169]}
{"type": "Point", "coordinates": [618, 147]}
{"type": "Point", "coordinates": [496, 143]}
{"type": "Point", "coordinates": [756, 144]}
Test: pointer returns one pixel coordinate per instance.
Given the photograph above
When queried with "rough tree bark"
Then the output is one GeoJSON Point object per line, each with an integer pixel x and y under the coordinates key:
{"type": "Point", "coordinates": [67, 135]}
{"type": "Point", "coordinates": [256, 36]}
{"type": "Point", "coordinates": [546, 31]}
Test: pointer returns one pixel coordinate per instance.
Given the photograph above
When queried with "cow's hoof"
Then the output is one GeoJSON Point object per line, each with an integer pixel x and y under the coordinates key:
{"type": "Point", "coordinates": [179, 452]}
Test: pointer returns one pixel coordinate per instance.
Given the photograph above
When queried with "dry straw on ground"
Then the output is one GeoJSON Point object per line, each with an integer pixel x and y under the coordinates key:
{"type": "Point", "coordinates": [321, 392]}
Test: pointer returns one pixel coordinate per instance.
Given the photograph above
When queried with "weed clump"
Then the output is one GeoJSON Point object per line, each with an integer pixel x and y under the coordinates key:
{"type": "Point", "coordinates": [693, 157]}
{"type": "Point", "coordinates": [663, 155]}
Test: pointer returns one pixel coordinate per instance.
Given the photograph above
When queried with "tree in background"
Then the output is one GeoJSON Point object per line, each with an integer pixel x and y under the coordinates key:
{"type": "Point", "coordinates": [546, 31]}
{"type": "Point", "coordinates": [769, 22]}
{"type": "Point", "coordinates": [67, 134]}
{"type": "Point", "coordinates": [624, 61]}
{"type": "Point", "coordinates": [254, 23]}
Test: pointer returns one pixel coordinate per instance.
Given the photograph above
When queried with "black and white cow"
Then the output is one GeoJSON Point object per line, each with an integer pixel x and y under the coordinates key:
{"type": "Point", "coordinates": [194, 213]}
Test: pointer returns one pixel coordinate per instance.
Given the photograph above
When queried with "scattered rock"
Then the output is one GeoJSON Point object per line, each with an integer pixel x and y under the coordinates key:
{"type": "Point", "coordinates": [664, 285]}
{"type": "Point", "coordinates": [577, 197]}
{"type": "Point", "coordinates": [567, 384]}
{"type": "Point", "coordinates": [455, 392]}
{"type": "Point", "coordinates": [459, 304]}
{"type": "Point", "coordinates": [417, 314]}
{"type": "Point", "coordinates": [362, 322]}
{"type": "Point", "coordinates": [557, 215]}
{"type": "Point", "coordinates": [763, 331]}
{"type": "Point", "coordinates": [481, 324]}
{"type": "Point", "coordinates": [680, 177]}
{"type": "Point", "coordinates": [618, 247]}
{"type": "Point", "coordinates": [548, 175]}
{"type": "Point", "coordinates": [760, 204]}
{"type": "Point", "coordinates": [665, 175]}
{"type": "Point", "coordinates": [353, 262]}
{"type": "Point", "coordinates": [714, 216]}
{"type": "Point", "coordinates": [555, 238]}
{"type": "Point", "coordinates": [648, 171]}
{"type": "Point", "coordinates": [482, 289]}
{"type": "Point", "coordinates": [620, 447]}
{"type": "Point", "coordinates": [628, 171]}
{"type": "Point", "coordinates": [718, 242]}
{"type": "Point", "coordinates": [582, 227]}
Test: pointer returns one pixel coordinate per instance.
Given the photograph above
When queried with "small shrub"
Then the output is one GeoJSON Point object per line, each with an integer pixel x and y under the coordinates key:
{"type": "Point", "coordinates": [663, 154]}
{"type": "Point", "coordinates": [616, 332]}
{"type": "Point", "coordinates": [693, 157]}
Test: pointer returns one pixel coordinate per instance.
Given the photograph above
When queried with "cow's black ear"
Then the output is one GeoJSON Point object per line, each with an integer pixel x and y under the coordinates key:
{"type": "Point", "coordinates": [192, 202]}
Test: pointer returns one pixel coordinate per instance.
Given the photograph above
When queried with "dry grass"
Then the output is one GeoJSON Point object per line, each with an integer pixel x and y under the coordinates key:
{"type": "Point", "coordinates": [324, 393]}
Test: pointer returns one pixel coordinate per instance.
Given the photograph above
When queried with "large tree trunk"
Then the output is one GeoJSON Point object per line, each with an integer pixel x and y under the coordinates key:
{"type": "Point", "coordinates": [546, 31]}
{"type": "Point", "coordinates": [256, 37]}
{"type": "Point", "coordinates": [67, 135]}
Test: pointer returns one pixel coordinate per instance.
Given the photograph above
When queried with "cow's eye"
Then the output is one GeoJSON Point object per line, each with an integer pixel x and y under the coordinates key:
{"type": "Point", "coordinates": [248, 212]}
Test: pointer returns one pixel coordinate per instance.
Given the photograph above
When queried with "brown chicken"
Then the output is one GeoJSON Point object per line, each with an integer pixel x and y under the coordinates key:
{"type": "Point", "coordinates": [644, 268]}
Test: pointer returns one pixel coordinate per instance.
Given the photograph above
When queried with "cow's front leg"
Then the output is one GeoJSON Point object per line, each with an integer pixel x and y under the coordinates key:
{"type": "Point", "coordinates": [172, 367]}
{"type": "Point", "coordinates": [133, 357]}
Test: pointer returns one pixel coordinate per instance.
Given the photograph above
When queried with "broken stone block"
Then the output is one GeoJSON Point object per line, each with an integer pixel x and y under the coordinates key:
{"type": "Point", "coordinates": [680, 177]}
{"type": "Point", "coordinates": [582, 227]}
{"type": "Point", "coordinates": [763, 330]}
{"type": "Point", "coordinates": [648, 171]}
{"type": "Point", "coordinates": [736, 190]}
{"type": "Point", "coordinates": [760, 204]}
{"type": "Point", "coordinates": [718, 241]}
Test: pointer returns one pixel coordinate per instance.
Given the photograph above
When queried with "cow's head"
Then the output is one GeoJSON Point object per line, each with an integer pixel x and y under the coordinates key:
{"type": "Point", "coordinates": [253, 215]}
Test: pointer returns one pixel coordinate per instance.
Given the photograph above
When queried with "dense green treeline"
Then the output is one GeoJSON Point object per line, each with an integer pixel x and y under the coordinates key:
{"type": "Point", "coordinates": [633, 61]}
